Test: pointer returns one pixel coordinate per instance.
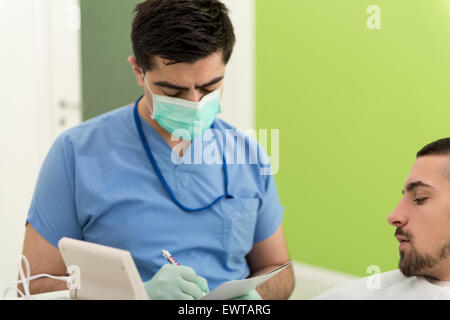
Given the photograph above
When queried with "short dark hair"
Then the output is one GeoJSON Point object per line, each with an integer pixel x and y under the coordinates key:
{"type": "Point", "coordinates": [181, 31]}
{"type": "Point", "coordinates": [437, 148]}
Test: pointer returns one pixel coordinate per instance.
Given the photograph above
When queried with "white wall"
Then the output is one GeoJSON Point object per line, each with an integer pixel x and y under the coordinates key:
{"type": "Point", "coordinates": [239, 86]}
{"type": "Point", "coordinates": [39, 63]}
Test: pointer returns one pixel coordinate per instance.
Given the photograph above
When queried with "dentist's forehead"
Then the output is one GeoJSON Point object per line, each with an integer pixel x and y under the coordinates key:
{"type": "Point", "coordinates": [200, 71]}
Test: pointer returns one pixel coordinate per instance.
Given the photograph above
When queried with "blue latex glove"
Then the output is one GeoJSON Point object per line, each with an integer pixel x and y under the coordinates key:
{"type": "Point", "coordinates": [173, 282]}
{"type": "Point", "coordinates": [252, 295]}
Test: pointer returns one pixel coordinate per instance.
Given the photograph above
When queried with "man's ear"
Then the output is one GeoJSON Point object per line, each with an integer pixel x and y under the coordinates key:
{"type": "Point", "coordinates": [137, 70]}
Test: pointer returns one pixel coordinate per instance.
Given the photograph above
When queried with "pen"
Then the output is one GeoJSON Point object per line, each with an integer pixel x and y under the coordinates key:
{"type": "Point", "coordinates": [172, 260]}
{"type": "Point", "coordinates": [169, 257]}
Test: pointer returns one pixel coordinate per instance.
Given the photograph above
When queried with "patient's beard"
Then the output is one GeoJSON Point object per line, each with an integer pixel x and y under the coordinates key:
{"type": "Point", "coordinates": [413, 263]}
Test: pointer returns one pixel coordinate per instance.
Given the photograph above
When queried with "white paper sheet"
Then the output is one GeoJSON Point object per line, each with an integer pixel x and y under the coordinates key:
{"type": "Point", "coordinates": [237, 288]}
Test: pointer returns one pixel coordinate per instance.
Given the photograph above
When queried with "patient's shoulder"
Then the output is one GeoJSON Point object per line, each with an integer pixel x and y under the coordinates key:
{"type": "Point", "coordinates": [376, 286]}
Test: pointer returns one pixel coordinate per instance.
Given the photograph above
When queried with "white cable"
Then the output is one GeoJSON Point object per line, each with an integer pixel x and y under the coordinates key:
{"type": "Point", "coordinates": [43, 275]}
{"type": "Point", "coordinates": [17, 290]}
{"type": "Point", "coordinates": [25, 279]}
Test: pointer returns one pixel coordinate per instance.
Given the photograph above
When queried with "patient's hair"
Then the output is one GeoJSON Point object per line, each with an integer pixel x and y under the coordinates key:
{"type": "Point", "coordinates": [181, 31]}
{"type": "Point", "coordinates": [438, 148]}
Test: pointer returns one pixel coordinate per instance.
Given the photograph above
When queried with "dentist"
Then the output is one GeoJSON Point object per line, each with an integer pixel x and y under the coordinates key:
{"type": "Point", "coordinates": [128, 178]}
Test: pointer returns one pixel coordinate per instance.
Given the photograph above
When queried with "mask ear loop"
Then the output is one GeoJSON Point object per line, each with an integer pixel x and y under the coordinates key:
{"type": "Point", "coordinates": [150, 109]}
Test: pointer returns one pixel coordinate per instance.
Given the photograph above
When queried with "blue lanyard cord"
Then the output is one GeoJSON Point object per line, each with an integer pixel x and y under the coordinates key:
{"type": "Point", "coordinates": [161, 177]}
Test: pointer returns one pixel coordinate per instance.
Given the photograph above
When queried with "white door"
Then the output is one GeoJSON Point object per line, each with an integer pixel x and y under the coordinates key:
{"type": "Point", "coordinates": [39, 98]}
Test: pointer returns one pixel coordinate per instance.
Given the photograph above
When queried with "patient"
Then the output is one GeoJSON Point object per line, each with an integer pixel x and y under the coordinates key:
{"type": "Point", "coordinates": [422, 221]}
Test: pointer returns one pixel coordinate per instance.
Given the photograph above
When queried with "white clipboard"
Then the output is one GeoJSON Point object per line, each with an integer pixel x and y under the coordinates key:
{"type": "Point", "coordinates": [237, 288]}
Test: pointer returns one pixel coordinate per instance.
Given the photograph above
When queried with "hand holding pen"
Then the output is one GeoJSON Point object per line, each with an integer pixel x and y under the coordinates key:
{"type": "Point", "coordinates": [172, 261]}
{"type": "Point", "coordinates": [175, 282]}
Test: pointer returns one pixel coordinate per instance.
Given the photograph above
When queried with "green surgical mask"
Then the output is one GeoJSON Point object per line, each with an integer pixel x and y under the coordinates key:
{"type": "Point", "coordinates": [185, 119]}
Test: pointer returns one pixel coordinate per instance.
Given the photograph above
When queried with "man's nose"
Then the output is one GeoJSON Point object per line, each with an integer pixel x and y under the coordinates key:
{"type": "Point", "coordinates": [399, 217]}
{"type": "Point", "coordinates": [194, 95]}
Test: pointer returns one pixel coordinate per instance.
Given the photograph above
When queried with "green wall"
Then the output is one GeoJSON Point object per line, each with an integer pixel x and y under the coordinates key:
{"type": "Point", "coordinates": [107, 79]}
{"type": "Point", "coordinates": [353, 107]}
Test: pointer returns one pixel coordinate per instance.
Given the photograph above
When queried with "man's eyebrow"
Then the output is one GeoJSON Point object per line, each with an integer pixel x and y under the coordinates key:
{"type": "Point", "coordinates": [411, 186]}
{"type": "Point", "coordinates": [169, 85]}
{"type": "Point", "coordinates": [214, 81]}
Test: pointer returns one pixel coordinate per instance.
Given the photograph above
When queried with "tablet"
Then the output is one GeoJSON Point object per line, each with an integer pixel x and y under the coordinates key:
{"type": "Point", "coordinates": [106, 273]}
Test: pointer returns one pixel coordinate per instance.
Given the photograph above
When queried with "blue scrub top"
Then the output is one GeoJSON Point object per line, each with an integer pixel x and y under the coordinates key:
{"type": "Point", "coordinates": [97, 184]}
